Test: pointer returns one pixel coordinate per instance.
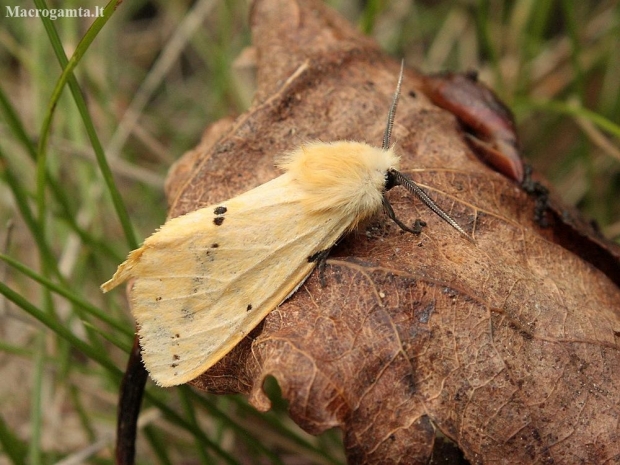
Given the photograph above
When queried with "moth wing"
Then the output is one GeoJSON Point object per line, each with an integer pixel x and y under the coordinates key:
{"type": "Point", "coordinates": [207, 278]}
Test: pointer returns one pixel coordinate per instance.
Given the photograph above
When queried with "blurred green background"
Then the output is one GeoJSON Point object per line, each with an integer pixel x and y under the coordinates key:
{"type": "Point", "coordinates": [150, 79]}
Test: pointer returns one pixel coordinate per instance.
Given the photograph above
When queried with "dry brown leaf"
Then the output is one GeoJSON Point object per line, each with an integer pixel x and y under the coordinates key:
{"type": "Point", "coordinates": [508, 347]}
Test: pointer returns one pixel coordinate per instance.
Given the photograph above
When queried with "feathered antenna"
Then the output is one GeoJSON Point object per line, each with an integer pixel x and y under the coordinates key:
{"type": "Point", "coordinates": [402, 180]}
{"type": "Point", "coordinates": [396, 178]}
{"type": "Point", "coordinates": [392, 113]}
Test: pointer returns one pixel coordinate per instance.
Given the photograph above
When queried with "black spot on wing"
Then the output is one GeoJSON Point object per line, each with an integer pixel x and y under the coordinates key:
{"type": "Point", "coordinates": [248, 308]}
{"type": "Point", "coordinates": [218, 220]}
{"type": "Point", "coordinates": [215, 246]}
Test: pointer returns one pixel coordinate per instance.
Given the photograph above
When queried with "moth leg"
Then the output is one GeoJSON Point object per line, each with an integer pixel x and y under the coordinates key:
{"type": "Point", "coordinates": [417, 226]}
{"type": "Point", "coordinates": [320, 258]}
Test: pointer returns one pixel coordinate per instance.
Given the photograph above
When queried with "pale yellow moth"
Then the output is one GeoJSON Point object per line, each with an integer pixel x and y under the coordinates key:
{"type": "Point", "coordinates": [204, 280]}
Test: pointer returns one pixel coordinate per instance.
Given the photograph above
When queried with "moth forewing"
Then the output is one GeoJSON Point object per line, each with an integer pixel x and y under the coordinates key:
{"type": "Point", "coordinates": [207, 278]}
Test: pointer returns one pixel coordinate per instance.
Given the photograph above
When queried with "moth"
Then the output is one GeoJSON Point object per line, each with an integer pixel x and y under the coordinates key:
{"type": "Point", "coordinates": [204, 280]}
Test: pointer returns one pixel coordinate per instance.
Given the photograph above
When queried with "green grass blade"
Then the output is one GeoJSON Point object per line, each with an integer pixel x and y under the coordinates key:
{"type": "Point", "coordinates": [15, 125]}
{"type": "Point", "coordinates": [109, 336]}
{"type": "Point", "coordinates": [83, 413]}
{"type": "Point", "coordinates": [158, 444]}
{"type": "Point", "coordinates": [17, 129]}
{"type": "Point", "coordinates": [21, 199]}
{"type": "Point", "coordinates": [67, 294]}
{"type": "Point", "coordinates": [58, 328]}
{"type": "Point", "coordinates": [36, 408]}
{"type": "Point", "coordinates": [68, 77]}
{"type": "Point", "coordinates": [563, 108]}
{"type": "Point", "coordinates": [221, 416]}
{"type": "Point", "coordinates": [178, 420]}
{"type": "Point", "coordinates": [15, 449]}
{"type": "Point", "coordinates": [188, 407]}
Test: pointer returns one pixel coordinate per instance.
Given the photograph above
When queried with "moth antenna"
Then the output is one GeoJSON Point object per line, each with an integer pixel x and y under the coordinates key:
{"type": "Point", "coordinates": [392, 113]}
{"type": "Point", "coordinates": [400, 179]}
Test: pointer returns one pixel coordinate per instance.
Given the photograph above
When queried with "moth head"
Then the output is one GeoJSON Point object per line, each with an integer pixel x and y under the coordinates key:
{"type": "Point", "coordinates": [390, 179]}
